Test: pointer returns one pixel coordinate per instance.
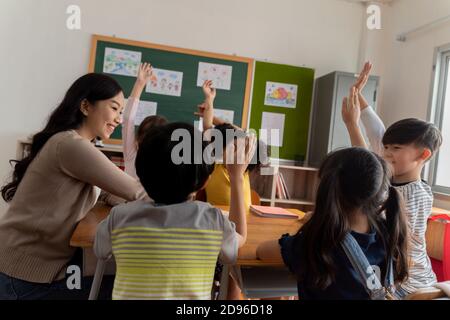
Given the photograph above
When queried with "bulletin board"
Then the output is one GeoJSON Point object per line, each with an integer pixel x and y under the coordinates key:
{"type": "Point", "coordinates": [282, 95]}
{"type": "Point", "coordinates": [177, 101]}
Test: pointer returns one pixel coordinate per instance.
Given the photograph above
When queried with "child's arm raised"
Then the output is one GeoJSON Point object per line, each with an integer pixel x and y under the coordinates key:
{"type": "Point", "coordinates": [350, 114]}
{"type": "Point", "coordinates": [372, 123]}
{"type": "Point", "coordinates": [145, 73]}
{"type": "Point", "coordinates": [237, 160]}
{"type": "Point", "coordinates": [208, 106]}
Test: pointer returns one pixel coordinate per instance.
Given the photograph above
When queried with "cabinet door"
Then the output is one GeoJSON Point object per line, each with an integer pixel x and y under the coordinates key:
{"type": "Point", "coordinates": [340, 137]}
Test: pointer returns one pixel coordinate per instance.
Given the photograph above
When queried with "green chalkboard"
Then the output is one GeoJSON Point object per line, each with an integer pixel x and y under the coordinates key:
{"type": "Point", "coordinates": [296, 119]}
{"type": "Point", "coordinates": [180, 108]}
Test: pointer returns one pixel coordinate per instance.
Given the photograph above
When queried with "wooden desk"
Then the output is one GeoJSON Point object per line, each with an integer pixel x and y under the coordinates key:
{"type": "Point", "coordinates": [84, 234]}
{"type": "Point", "coordinates": [259, 230]}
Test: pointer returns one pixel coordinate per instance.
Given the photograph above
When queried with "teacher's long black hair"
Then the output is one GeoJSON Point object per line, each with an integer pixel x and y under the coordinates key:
{"type": "Point", "coordinates": [92, 87]}
{"type": "Point", "coordinates": [351, 179]}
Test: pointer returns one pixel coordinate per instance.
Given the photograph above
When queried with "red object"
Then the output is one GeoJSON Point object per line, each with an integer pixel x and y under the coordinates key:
{"type": "Point", "coordinates": [442, 268]}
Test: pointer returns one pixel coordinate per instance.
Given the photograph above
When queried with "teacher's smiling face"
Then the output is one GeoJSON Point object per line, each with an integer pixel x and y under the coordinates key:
{"type": "Point", "coordinates": [102, 117]}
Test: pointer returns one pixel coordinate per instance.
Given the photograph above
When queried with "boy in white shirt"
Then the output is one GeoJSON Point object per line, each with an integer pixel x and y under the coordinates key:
{"type": "Point", "coordinates": [406, 145]}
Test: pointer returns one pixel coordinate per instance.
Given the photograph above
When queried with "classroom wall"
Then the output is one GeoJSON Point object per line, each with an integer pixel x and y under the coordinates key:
{"type": "Point", "coordinates": [41, 57]}
{"type": "Point", "coordinates": [406, 67]}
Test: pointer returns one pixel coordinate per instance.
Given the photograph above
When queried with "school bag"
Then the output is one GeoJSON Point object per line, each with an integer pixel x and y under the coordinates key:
{"type": "Point", "coordinates": [366, 272]}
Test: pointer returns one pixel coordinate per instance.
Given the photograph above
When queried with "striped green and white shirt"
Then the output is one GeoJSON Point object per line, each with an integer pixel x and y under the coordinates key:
{"type": "Point", "coordinates": [166, 252]}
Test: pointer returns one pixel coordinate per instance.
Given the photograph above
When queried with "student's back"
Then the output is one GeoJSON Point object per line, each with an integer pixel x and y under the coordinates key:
{"type": "Point", "coordinates": [347, 284]}
{"type": "Point", "coordinates": [354, 200]}
{"type": "Point", "coordinates": [168, 250]}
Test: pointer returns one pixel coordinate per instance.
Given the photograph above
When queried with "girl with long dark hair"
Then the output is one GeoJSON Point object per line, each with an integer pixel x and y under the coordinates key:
{"type": "Point", "coordinates": [354, 197]}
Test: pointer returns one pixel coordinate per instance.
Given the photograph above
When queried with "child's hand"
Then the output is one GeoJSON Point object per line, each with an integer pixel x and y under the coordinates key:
{"type": "Point", "coordinates": [238, 159]}
{"type": "Point", "coordinates": [145, 73]}
{"type": "Point", "coordinates": [201, 109]}
{"type": "Point", "coordinates": [351, 111]}
{"type": "Point", "coordinates": [363, 77]}
{"type": "Point", "coordinates": [209, 91]}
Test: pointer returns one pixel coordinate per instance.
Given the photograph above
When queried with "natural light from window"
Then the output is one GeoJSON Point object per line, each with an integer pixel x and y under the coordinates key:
{"type": "Point", "coordinates": [443, 167]}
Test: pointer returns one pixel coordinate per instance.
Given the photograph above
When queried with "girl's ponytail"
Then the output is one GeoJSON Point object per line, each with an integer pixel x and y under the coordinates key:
{"type": "Point", "coordinates": [397, 232]}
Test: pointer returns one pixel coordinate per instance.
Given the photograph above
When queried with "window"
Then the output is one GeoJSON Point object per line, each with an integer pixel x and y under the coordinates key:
{"type": "Point", "coordinates": [439, 171]}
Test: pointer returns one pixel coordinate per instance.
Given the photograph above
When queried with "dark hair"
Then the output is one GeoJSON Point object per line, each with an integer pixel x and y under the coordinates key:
{"type": "Point", "coordinates": [165, 181]}
{"type": "Point", "coordinates": [147, 124]}
{"type": "Point", "coordinates": [351, 179]}
{"type": "Point", "coordinates": [261, 155]}
{"type": "Point", "coordinates": [92, 87]}
{"type": "Point", "coordinates": [223, 128]}
{"type": "Point", "coordinates": [422, 134]}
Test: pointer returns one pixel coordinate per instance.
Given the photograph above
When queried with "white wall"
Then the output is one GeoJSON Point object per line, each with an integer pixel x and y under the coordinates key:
{"type": "Point", "coordinates": [41, 58]}
{"type": "Point", "coordinates": [406, 67]}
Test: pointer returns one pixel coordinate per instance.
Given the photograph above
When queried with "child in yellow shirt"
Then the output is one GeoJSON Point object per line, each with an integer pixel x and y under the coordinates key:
{"type": "Point", "coordinates": [218, 187]}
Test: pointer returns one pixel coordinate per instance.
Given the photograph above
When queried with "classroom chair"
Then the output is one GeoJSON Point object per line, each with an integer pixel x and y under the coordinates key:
{"type": "Point", "coordinates": [98, 276]}
{"type": "Point", "coordinates": [267, 282]}
{"type": "Point", "coordinates": [438, 245]}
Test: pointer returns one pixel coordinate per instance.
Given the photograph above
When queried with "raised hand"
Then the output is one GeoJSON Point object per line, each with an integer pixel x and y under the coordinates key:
{"type": "Point", "coordinates": [360, 84]}
{"type": "Point", "coordinates": [201, 109]}
{"type": "Point", "coordinates": [351, 111]}
{"type": "Point", "coordinates": [351, 114]}
{"type": "Point", "coordinates": [209, 91]}
{"type": "Point", "coordinates": [145, 73]}
{"type": "Point", "coordinates": [363, 77]}
{"type": "Point", "coordinates": [240, 157]}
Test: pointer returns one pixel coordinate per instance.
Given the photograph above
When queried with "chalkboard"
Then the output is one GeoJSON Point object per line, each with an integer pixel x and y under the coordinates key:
{"type": "Point", "coordinates": [182, 107]}
{"type": "Point", "coordinates": [296, 117]}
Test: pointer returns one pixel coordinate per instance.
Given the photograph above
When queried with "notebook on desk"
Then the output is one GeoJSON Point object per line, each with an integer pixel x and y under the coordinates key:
{"type": "Point", "coordinates": [277, 212]}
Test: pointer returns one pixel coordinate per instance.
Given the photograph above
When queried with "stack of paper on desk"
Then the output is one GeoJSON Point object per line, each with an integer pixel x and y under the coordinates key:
{"type": "Point", "coordinates": [276, 212]}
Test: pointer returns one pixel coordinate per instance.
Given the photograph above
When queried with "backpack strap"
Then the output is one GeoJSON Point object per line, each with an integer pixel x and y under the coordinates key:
{"type": "Point", "coordinates": [367, 275]}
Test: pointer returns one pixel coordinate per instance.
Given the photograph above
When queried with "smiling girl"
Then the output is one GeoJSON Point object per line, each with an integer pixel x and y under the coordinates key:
{"type": "Point", "coordinates": [55, 186]}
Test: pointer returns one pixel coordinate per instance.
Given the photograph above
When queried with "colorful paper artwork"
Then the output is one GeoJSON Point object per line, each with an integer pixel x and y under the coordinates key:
{"type": "Point", "coordinates": [166, 82]}
{"type": "Point", "coordinates": [281, 95]}
{"type": "Point", "coordinates": [122, 62]}
{"type": "Point", "coordinates": [219, 74]}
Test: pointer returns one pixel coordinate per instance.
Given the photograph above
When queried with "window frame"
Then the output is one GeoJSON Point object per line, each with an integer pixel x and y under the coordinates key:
{"type": "Point", "coordinates": [441, 68]}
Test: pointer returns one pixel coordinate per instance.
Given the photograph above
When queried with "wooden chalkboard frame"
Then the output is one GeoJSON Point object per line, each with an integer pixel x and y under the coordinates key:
{"type": "Point", "coordinates": [249, 61]}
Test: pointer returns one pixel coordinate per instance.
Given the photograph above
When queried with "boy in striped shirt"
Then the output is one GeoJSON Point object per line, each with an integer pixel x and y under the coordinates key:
{"type": "Point", "coordinates": [169, 249]}
{"type": "Point", "coordinates": [406, 145]}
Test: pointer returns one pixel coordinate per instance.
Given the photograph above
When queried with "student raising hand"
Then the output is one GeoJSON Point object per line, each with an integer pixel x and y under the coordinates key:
{"type": "Point", "coordinates": [351, 114]}
{"type": "Point", "coordinates": [209, 91]}
{"type": "Point", "coordinates": [350, 108]}
{"type": "Point", "coordinates": [145, 74]}
{"type": "Point", "coordinates": [361, 83]}
{"type": "Point", "coordinates": [238, 157]}
{"type": "Point", "coordinates": [206, 109]}
{"type": "Point", "coordinates": [363, 77]}
{"type": "Point", "coordinates": [239, 154]}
